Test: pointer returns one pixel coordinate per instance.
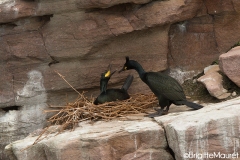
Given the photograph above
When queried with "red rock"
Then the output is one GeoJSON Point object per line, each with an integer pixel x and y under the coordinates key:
{"type": "Point", "coordinates": [15, 9]}
{"type": "Point", "coordinates": [103, 140]}
{"type": "Point", "coordinates": [236, 5]}
{"type": "Point", "coordinates": [12, 10]}
{"type": "Point", "coordinates": [229, 64]}
{"type": "Point", "coordinates": [219, 6]}
{"type": "Point", "coordinates": [167, 11]}
{"type": "Point", "coordinates": [6, 88]}
{"type": "Point", "coordinates": [34, 34]}
{"type": "Point", "coordinates": [225, 33]}
{"type": "Point", "coordinates": [212, 80]}
{"type": "Point", "coordinates": [107, 3]}
{"type": "Point", "coordinates": [213, 128]}
{"type": "Point", "coordinates": [191, 48]}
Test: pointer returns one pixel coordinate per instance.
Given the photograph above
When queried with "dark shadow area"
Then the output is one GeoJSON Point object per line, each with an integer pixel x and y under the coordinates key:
{"type": "Point", "coordinates": [10, 108]}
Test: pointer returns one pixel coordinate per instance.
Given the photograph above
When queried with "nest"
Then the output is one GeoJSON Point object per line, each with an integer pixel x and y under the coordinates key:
{"type": "Point", "coordinates": [83, 109]}
{"type": "Point", "coordinates": [69, 116]}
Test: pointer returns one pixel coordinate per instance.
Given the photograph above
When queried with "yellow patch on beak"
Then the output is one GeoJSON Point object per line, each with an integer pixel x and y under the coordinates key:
{"type": "Point", "coordinates": [107, 74]}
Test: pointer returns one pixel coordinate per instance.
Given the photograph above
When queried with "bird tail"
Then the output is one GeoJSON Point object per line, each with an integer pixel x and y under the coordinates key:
{"type": "Point", "coordinates": [127, 82]}
{"type": "Point", "coordinates": [192, 105]}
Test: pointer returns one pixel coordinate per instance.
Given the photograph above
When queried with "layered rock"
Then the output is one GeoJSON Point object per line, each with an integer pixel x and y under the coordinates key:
{"type": "Point", "coordinates": [213, 81]}
{"type": "Point", "coordinates": [79, 38]}
{"type": "Point", "coordinates": [191, 40]}
{"type": "Point", "coordinates": [229, 64]}
{"type": "Point", "coordinates": [209, 34]}
{"type": "Point", "coordinates": [213, 129]}
{"type": "Point", "coordinates": [142, 139]}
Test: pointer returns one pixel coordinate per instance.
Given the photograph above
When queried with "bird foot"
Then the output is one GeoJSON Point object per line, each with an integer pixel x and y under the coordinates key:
{"type": "Point", "coordinates": [157, 109]}
{"type": "Point", "coordinates": [152, 115]}
{"type": "Point", "coordinates": [165, 112]}
{"type": "Point", "coordinates": [158, 113]}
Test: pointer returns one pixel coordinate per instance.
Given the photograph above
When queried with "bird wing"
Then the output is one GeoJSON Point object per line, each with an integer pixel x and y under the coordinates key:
{"type": "Point", "coordinates": [165, 85]}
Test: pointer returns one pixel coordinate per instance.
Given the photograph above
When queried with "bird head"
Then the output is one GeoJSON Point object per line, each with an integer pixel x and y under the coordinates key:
{"type": "Point", "coordinates": [108, 73]}
{"type": "Point", "coordinates": [127, 65]}
{"type": "Point", "coordinates": [105, 78]}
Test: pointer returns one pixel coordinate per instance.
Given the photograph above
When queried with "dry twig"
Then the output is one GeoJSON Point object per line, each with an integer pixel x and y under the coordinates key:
{"type": "Point", "coordinates": [83, 109]}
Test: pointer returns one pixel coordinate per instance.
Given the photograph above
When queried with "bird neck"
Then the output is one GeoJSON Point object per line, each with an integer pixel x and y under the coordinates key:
{"type": "Point", "coordinates": [139, 69]}
{"type": "Point", "coordinates": [103, 85]}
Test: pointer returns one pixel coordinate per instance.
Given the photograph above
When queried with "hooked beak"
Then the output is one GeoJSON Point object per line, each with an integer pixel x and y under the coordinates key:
{"type": "Point", "coordinates": [109, 73]}
{"type": "Point", "coordinates": [112, 73]}
{"type": "Point", "coordinates": [120, 70]}
{"type": "Point", "coordinates": [123, 69]}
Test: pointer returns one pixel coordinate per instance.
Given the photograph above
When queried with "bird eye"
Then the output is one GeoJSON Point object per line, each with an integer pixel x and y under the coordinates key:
{"type": "Point", "coordinates": [125, 68]}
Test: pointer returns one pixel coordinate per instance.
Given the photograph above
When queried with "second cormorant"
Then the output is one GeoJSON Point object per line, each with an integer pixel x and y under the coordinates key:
{"type": "Point", "coordinates": [108, 95]}
{"type": "Point", "coordinates": [166, 88]}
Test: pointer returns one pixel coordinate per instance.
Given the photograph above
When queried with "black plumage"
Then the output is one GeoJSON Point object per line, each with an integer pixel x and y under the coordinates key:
{"type": "Point", "coordinates": [108, 95]}
{"type": "Point", "coordinates": [166, 88]}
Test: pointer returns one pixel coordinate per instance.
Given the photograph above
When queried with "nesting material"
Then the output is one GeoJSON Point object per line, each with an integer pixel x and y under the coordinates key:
{"type": "Point", "coordinates": [69, 116]}
{"type": "Point", "coordinates": [83, 109]}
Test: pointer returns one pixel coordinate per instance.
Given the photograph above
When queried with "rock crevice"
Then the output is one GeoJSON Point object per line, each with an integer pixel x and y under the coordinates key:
{"type": "Point", "coordinates": [213, 129]}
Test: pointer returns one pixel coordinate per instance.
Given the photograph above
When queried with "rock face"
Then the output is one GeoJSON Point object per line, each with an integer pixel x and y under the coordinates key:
{"type": "Point", "coordinates": [229, 64]}
{"type": "Point", "coordinates": [213, 80]}
{"type": "Point", "coordinates": [143, 139]}
{"type": "Point", "coordinates": [212, 129]}
{"type": "Point", "coordinates": [215, 128]}
{"type": "Point", "coordinates": [79, 38]}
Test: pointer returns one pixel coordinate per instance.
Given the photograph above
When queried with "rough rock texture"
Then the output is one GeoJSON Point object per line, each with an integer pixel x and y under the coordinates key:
{"type": "Point", "coordinates": [230, 64]}
{"type": "Point", "coordinates": [79, 38]}
{"type": "Point", "coordinates": [27, 115]}
{"type": "Point", "coordinates": [215, 128]}
{"type": "Point", "coordinates": [191, 41]}
{"type": "Point", "coordinates": [213, 80]}
{"type": "Point", "coordinates": [211, 32]}
{"type": "Point", "coordinates": [142, 139]}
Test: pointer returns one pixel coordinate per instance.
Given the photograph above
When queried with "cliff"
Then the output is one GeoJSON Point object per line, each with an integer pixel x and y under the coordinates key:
{"type": "Point", "coordinates": [79, 38]}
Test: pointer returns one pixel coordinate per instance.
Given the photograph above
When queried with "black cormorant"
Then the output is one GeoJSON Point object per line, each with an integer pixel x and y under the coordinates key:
{"type": "Point", "coordinates": [166, 88]}
{"type": "Point", "coordinates": [108, 95]}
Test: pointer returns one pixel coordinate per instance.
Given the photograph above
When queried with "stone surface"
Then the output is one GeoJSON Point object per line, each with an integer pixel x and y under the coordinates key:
{"type": "Point", "coordinates": [142, 139]}
{"type": "Point", "coordinates": [224, 31]}
{"type": "Point", "coordinates": [26, 115]}
{"type": "Point", "coordinates": [214, 128]}
{"type": "Point", "coordinates": [230, 64]}
{"type": "Point", "coordinates": [229, 15]}
{"type": "Point", "coordinates": [79, 38]}
{"type": "Point", "coordinates": [218, 6]}
{"type": "Point", "coordinates": [212, 80]}
{"type": "Point", "coordinates": [12, 10]}
{"type": "Point", "coordinates": [211, 69]}
{"type": "Point", "coordinates": [193, 47]}
{"type": "Point", "coordinates": [106, 3]}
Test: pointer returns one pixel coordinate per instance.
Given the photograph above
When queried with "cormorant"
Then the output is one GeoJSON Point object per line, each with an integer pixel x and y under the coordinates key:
{"type": "Point", "coordinates": [166, 88]}
{"type": "Point", "coordinates": [108, 95]}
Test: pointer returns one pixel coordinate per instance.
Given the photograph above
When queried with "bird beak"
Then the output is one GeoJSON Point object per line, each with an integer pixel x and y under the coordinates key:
{"type": "Point", "coordinates": [123, 69]}
{"type": "Point", "coordinates": [120, 70]}
{"type": "Point", "coordinates": [108, 73]}
{"type": "Point", "coordinates": [112, 73]}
